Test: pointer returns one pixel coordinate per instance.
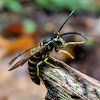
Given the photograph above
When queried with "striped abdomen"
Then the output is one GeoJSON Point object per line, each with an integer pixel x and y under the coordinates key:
{"type": "Point", "coordinates": [32, 63]}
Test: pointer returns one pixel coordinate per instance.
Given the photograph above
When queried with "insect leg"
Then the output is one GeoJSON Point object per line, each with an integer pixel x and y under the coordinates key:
{"type": "Point", "coordinates": [38, 71]}
{"type": "Point", "coordinates": [56, 49]}
{"type": "Point", "coordinates": [66, 53]}
{"type": "Point", "coordinates": [50, 63]}
{"type": "Point", "coordinates": [38, 67]}
{"type": "Point", "coordinates": [74, 43]}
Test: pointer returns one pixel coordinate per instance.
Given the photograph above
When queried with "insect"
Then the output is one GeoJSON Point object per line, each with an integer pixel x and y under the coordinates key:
{"type": "Point", "coordinates": [40, 53]}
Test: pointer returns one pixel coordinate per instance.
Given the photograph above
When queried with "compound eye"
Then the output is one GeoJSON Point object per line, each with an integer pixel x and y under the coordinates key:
{"type": "Point", "coordinates": [58, 42]}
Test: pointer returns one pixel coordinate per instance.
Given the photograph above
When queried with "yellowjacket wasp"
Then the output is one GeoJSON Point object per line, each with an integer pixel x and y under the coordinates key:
{"type": "Point", "coordinates": [40, 53]}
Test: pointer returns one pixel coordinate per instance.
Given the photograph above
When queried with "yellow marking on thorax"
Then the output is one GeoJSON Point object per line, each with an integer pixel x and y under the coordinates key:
{"type": "Point", "coordinates": [33, 62]}
{"type": "Point", "coordinates": [49, 42]}
{"type": "Point", "coordinates": [41, 43]}
{"type": "Point", "coordinates": [58, 33]}
{"type": "Point", "coordinates": [36, 57]}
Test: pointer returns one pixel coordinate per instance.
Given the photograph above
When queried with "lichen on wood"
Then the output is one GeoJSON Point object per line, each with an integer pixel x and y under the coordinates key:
{"type": "Point", "coordinates": [66, 83]}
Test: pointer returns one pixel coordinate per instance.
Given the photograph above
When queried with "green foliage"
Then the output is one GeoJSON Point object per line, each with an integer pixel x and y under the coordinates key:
{"type": "Point", "coordinates": [13, 5]}
{"type": "Point", "coordinates": [29, 26]}
{"type": "Point", "coordinates": [63, 4]}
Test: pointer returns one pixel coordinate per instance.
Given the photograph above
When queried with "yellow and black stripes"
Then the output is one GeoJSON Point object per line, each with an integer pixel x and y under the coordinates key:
{"type": "Point", "coordinates": [32, 67]}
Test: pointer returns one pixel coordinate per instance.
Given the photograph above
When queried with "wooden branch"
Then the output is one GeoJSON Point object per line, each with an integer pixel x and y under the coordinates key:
{"type": "Point", "coordinates": [66, 83]}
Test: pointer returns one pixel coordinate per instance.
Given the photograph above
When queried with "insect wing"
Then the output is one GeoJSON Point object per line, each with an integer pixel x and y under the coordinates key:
{"type": "Point", "coordinates": [22, 53]}
{"type": "Point", "coordinates": [26, 57]}
{"type": "Point", "coordinates": [20, 62]}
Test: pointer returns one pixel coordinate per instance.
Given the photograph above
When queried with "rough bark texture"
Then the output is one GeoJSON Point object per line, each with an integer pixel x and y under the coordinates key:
{"type": "Point", "coordinates": [66, 83]}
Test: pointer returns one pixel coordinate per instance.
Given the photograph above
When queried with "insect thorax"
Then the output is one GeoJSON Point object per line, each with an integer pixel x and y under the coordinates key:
{"type": "Point", "coordinates": [46, 41]}
{"type": "Point", "coordinates": [52, 42]}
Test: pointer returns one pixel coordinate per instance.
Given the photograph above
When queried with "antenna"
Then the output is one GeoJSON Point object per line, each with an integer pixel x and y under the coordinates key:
{"type": "Point", "coordinates": [67, 19]}
{"type": "Point", "coordinates": [74, 33]}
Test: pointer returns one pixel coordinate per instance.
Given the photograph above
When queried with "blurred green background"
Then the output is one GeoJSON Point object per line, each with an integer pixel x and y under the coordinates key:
{"type": "Point", "coordinates": [23, 23]}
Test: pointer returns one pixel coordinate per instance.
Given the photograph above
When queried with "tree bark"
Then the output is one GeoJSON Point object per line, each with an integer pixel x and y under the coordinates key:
{"type": "Point", "coordinates": [66, 83]}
